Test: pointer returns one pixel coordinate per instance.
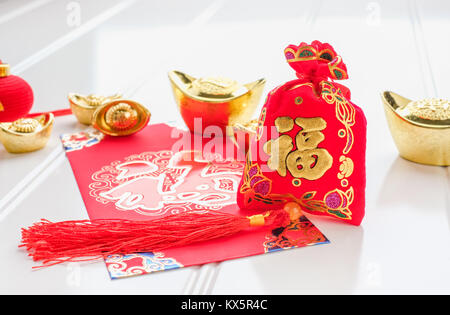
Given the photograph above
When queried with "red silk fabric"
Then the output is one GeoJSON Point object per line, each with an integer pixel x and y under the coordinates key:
{"type": "Point", "coordinates": [311, 142]}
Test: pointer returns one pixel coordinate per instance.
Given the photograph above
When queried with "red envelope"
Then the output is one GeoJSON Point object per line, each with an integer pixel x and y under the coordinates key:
{"type": "Point", "coordinates": [162, 171]}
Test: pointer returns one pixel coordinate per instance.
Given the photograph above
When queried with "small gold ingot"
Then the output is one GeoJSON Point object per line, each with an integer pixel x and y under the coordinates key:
{"type": "Point", "coordinates": [83, 107]}
{"type": "Point", "coordinates": [121, 117]}
{"type": "Point", "coordinates": [27, 134]}
{"type": "Point", "coordinates": [217, 101]}
{"type": "Point", "coordinates": [346, 168]}
{"type": "Point", "coordinates": [421, 129]}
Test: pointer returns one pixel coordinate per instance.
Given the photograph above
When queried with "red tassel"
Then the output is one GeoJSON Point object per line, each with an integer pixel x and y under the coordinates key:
{"type": "Point", "coordinates": [71, 241]}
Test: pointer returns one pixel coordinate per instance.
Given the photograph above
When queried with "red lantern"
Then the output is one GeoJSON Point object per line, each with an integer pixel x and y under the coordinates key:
{"type": "Point", "coordinates": [16, 95]}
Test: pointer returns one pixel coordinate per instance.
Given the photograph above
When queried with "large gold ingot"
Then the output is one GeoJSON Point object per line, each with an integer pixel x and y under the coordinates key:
{"type": "Point", "coordinates": [217, 101]}
{"type": "Point", "coordinates": [421, 130]}
{"type": "Point", "coordinates": [27, 134]}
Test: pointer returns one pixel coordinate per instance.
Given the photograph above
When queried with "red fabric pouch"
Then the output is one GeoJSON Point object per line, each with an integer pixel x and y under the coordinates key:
{"type": "Point", "coordinates": [310, 145]}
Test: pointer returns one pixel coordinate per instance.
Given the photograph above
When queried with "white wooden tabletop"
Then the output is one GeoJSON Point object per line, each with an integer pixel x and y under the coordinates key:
{"type": "Point", "coordinates": [128, 46]}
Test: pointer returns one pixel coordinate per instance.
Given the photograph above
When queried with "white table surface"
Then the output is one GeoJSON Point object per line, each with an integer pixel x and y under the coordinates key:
{"type": "Point", "coordinates": [129, 46]}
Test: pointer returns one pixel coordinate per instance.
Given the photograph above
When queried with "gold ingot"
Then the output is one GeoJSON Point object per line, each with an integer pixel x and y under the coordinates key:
{"type": "Point", "coordinates": [421, 129]}
{"type": "Point", "coordinates": [27, 134]}
{"type": "Point", "coordinates": [83, 107]}
{"type": "Point", "coordinates": [217, 101]}
{"type": "Point", "coordinates": [121, 118]}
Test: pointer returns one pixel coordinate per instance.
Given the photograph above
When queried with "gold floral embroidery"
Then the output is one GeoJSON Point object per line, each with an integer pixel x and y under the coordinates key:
{"type": "Point", "coordinates": [254, 180]}
{"type": "Point", "coordinates": [335, 71]}
{"type": "Point", "coordinates": [261, 121]}
{"type": "Point", "coordinates": [346, 168]}
{"type": "Point", "coordinates": [335, 203]}
{"type": "Point", "coordinates": [345, 112]}
{"type": "Point", "coordinates": [338, 203]}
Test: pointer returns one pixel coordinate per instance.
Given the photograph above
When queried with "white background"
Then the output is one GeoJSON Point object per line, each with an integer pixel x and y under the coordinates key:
{"type": "Point", "coordinates": [110, 46]}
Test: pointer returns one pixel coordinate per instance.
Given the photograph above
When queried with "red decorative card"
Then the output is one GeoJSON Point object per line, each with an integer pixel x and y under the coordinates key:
{"type": "Point", "coordinates": [163, 170]}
